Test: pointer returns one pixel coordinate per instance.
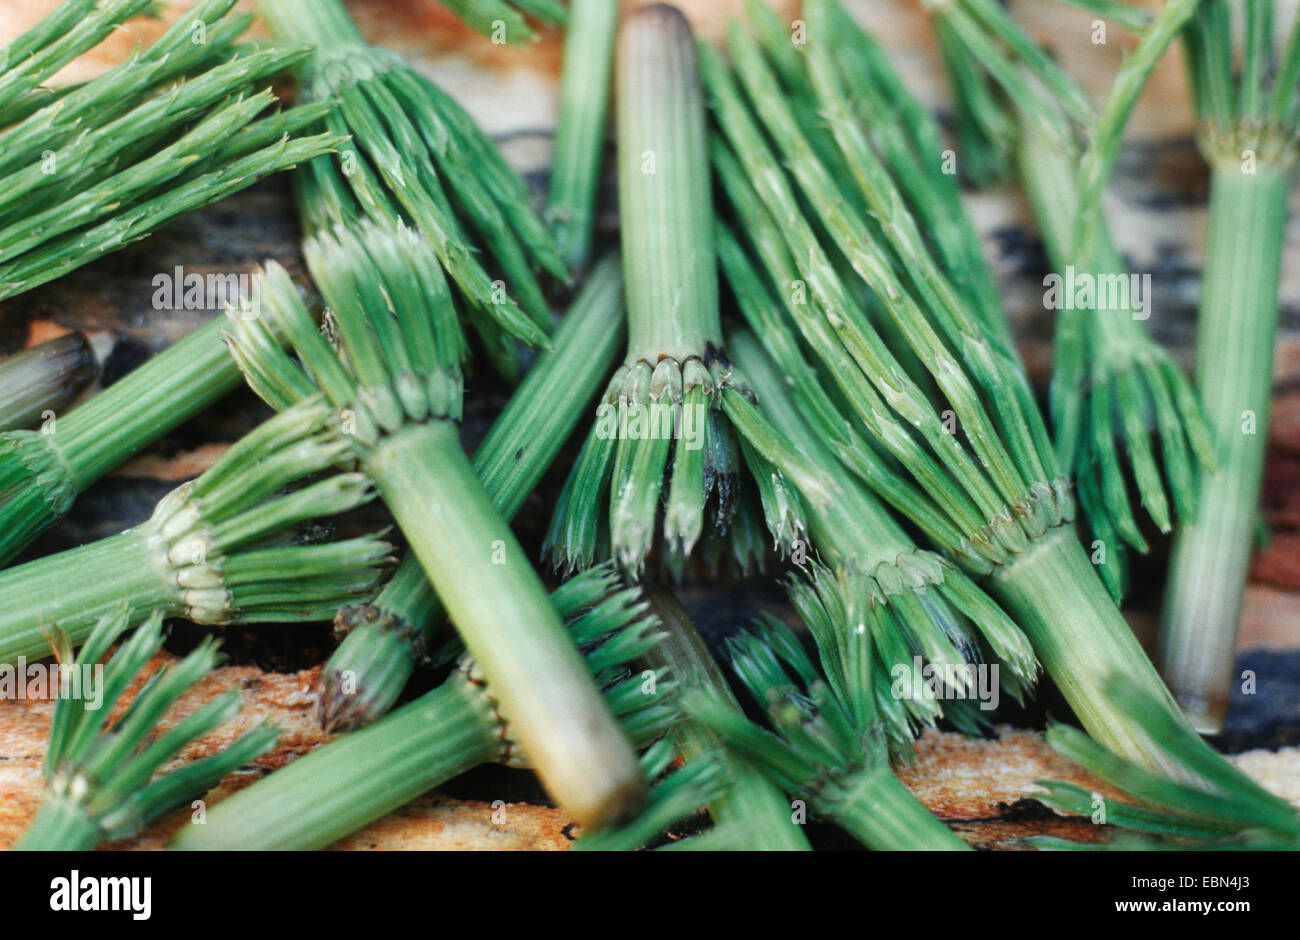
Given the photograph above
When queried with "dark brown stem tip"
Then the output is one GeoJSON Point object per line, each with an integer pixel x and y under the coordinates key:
{"type": "Point", "coordinates": [340, 708]}
{"type": "Point", "coordinates": [69, 360]}
{"type": "Point", "coordinates": [622, 806]}
{"type": "Point", "coordinates": [47, 376]}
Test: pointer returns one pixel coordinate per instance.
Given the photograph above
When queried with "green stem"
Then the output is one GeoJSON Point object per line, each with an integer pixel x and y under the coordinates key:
{"type": "Point", "coordinates": [666, 207]}
{"type": "Point", "coordinates": [1097, 161]}
{"type": "Point", "coordinates": [580, 131]}
{"type": "Point", "coordinates": [60, 826]}
{"type": "Point", "coordinates": [544, 410]}
{"type": "Point", "coordinates": [146, 403]}
{"type": "Point", "coordinates": [1234, 375]}
{"type": "Point", "coordinates": [521, 445]}
{"type": "Point", "coordinates": [882, 814]}
{"type": "Point", "coordinates": [1047, 174]}
{"type": "Point", "coordinates": [323, 23]}
{"type": "Point", "coordinates": [749, 799]}
{"type": "Point", "coordinates": [501, 610]}
{"type": "Point", "coordinates": [100, 434]}
{"type": "Point", "coordinates": [1056, 597]}
{"type": "Point", "coordinates": [356, 779]}
{"type": "Point", "coordinates": [216, 550]}
{"type": "Point", "coordinates": [74, 588]}
{"type": "Point", "coordinates": [1111, 378]}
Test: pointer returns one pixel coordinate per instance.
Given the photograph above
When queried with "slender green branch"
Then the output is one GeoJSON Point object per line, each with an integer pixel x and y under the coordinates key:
{"type": "Point", "coordinates": [580, 130]}
{"type": "Point", "coordinates": [1225, 813]}
{"type": "Point", "coordinates": [679, 794]}
{"type": "Point", "coordinates": [411, 157]}
{"type": "Point", "coordinates": [78, 179]}
{"type": "Point", "coordinates": [828, 746]}
{"type": "Point", "coordinates": [66, 32]}
{"type": "Point", "coordinates": [910, 141]}
{"type": "Point", "coordinates": [875, 376]}
{"type": "Point", "coordinates": [1022, 542]}
{"type": "Point", "coordinates": [493, 18]}
{"type": "Point", "coordinates": [42, 473]}
{"type": "Point", "coordinates": [1110, 378]}
{"type": "Point", "coordinates": [1109, 371]}
{"type": "Point", "coordinates": [873, 574]}
{"type": "Point", "coordinates": [1099, 158]}
{"type": "Point", "coordinates": [747, 799]}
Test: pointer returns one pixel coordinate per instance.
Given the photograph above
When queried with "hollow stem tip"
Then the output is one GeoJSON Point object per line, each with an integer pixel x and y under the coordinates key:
{"type": "Point", "coordinates": [37, 383]}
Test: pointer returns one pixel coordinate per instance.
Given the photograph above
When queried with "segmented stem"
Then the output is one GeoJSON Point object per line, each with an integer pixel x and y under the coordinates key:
{"type": "Point", "coordinates": [365, 675]}
{"type": "Point", "coordinates": [497, 603]}
{"type": "Point", "coordinates": [42, 473]}
{"type": "Point", "coordinates": [1234, 370]}
{"type": "Point", "coordinates": [666, 210]}
{"type": "Point", "coordinates": [580, 129]}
